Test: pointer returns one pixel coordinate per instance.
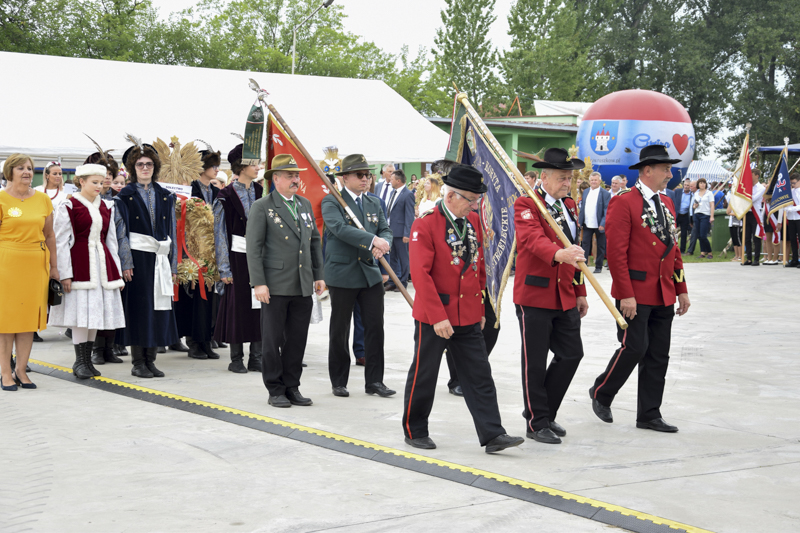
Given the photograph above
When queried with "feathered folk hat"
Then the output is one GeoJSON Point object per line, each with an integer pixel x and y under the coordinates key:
{"type": "Point", "coordinates": [209, 156]}
{"type": "Point", "coordinates": [102, 157]}
{"type": "Point", "coordinates": [137, 151]}
{"type": "Point", "coordinates": [557, 158]}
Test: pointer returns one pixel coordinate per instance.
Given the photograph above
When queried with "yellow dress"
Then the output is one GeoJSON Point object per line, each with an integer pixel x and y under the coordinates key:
{"type": "Point", "coordinates": [24, 263]}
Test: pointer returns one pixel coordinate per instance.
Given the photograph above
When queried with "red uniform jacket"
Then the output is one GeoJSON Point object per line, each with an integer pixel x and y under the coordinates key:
{"type": "Point", "coordinates": [442, 291]}
{"type": "Point", "coordinates": [539, 281]}
{"type": "Point", "coordinates": [641, 266]}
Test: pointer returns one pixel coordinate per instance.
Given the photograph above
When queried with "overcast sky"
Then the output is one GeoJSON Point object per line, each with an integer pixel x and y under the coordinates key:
{"type": "Point", "coordinates": [390, 23]}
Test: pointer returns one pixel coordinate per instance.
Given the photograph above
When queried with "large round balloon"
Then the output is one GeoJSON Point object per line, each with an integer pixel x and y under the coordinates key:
{"type": "Point", "coordinates": [617, 126]}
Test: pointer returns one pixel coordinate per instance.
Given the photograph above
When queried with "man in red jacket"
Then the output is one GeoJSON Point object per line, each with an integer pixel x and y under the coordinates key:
{"type": "Point", "coordinates": [449, 273]}
{"type": "Point", "coordinates": [550, 296]}
{"type": "Point", "coordinates": [647, 270]}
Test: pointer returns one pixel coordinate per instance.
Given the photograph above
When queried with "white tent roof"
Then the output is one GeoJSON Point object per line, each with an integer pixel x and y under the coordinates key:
{"type": "Point", "coordinates": [710, 170]}
{"type": "Point", "coordinates": [47, 103]}
{"type": "Point", "coordinates": [546, 108]}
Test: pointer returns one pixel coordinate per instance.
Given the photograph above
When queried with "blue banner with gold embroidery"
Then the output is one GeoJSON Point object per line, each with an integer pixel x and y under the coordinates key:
{"type": "Point", "coordinates": [781, 187]}
{"type": "Point", "coordinates": [468, 146]}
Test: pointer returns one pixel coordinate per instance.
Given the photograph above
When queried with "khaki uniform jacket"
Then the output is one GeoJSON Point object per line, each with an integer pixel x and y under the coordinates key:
{"type": "Point", "coordinates": [284, 256]}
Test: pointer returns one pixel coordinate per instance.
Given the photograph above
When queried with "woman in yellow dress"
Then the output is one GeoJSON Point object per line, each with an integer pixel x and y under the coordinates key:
{"type": "Point", "coordinates": [28, 255]}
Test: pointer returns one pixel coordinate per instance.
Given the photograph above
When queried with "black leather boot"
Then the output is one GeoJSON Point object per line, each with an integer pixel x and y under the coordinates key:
{"type": "Point", "coordinates": [98, 347]}
{"type": "Point", "coordinates": [195, 351]}
{"type": "Point", "coordinates": [108, 352]}
{"type": "Point", "coordinates": [254, 362]}
{"type": "Point", "coordinates": [207, 348]}
{"type": "Point", "coordinates": [88, 347]}
{"type": "Point", "coordinates": [237, 358]}
{"type": "Point", "coordinates": [150, 361]}
{"type": "Point", "coordinates": [80, 369]}
{"type": "Point", "coordinates": [121, 350]}
{"type": "Point", "coordinates": [139, 369]}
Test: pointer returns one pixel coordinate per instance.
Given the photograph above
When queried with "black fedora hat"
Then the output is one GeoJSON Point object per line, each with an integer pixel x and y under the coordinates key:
{"type": "Point", "coordinates": [465, 178]}
{"type": "Point", "coordinates": [654, 154]}
{"type": "Point", "coordinates": [557, 158]}
{"type": "Point", "coordinates": [352, 163]}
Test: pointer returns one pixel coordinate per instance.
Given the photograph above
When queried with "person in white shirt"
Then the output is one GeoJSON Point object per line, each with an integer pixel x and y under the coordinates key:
{"type": "Point", "coordinates": [53, 185]}
{"type": "Point", "coordinates": [703, 207]}
{"type": "Point", "coordinates": [792, 220]}
{"type": "Point", "coordinates": [735, 228]}
{"type": "Point", "coordinates": [618, 184]}
{"type": "Point", "coordinates": [752, 244]}
{"type": "Point", "coordinates": [592, 219]}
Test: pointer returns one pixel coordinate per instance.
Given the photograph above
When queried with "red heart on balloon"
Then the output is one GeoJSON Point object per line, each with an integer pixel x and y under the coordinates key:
{"type": "Point", "coordinates": [680, 142]}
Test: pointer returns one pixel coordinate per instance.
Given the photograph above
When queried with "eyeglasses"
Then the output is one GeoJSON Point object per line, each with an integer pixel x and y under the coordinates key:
{"type": "Point", "coordinates": [476, 201]}
{"type": "Point", "coordinates": [144, 166]}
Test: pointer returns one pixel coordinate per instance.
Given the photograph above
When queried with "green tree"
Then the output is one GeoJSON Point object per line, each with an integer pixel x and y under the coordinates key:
{"type": "Point", "coordinates": [463, 53]}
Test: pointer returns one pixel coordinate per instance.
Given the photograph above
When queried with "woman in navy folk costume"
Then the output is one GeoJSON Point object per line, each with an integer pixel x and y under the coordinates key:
{"type": "Point", "coordinates": [238, 319]}
{"type": "Point", "coordinates": [146, 215]}
{"type": "Point", "coordinates": [192, 312]}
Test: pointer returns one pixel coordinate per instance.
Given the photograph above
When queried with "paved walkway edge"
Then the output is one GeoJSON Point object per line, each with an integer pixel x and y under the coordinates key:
{"type": "Point", "coordinates": [567, 502]}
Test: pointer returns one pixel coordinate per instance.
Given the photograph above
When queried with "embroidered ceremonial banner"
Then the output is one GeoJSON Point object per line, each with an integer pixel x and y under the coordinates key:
{"type": "Point", "coordinates": [782, 188]}
{"type": "Point", "coordinates": [311, 187]}
{"type": "Point", "coordinates": [742, 198]}
{"type": "Point", "coordinates": [468, 146]}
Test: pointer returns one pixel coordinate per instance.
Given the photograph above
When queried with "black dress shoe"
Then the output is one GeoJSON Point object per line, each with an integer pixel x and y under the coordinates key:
{"type": "Point", "coordinates": [457, 391]}
{"type": "Point", "coordinates": [279, 401]}
{"type": "Point", "coordinates": [341, 391]}
{"type": "Point", "coordinates": [361, 361]}
{"type": "Point", "coordinates": [178, 347]}
{"type": "Point", "coordinates": [657, 424]}
{"type": "Point", "coordinates": [161, 349]}
{"type": "Point", "coordinates": [37, 338]}
{"type": "Point", "coordinates": [208, 349]}
{"type": "Point", "coordinates": [122, 349]}
{"type": "Point", "coordinates": [294, 396]}
{"type": "Point", "coordinates": [545, 435]}
{"type": "Point", "coordinates": [214, 344]}
{"type": "Point", "coordinates": [556, 428]}
{"type": "Point", "coordinates": [424, 443]}
{"type": "Point", "coordinates": [501, 442]}
{"type": "Point", "coordinates": [598, 270]}
{"type": "Point", "coordinates": [237, 367]}
{"type": "Point", "coordinates": [389, 287]}
{"type": "Point", "coordinates": [196, 352]}
{"type": "Point", "coordinates": [380, 389]}
{"type": "Point", "coordinates": [756, 263]}
{"type": "Point", "coordinates": [603, 412]}
{"type": "Point", "coordinates": [221, 344]}
{"type": "Point", "coordinates": [746, 263]}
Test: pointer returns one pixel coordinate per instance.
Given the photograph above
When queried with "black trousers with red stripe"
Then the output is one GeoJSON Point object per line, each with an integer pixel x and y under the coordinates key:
{"type": "Point", "coordinates": [472, 363]}
{"type": "Point", "coordinates": [543, 386]}
{"type": "Point", "coordinates": [644, 343]}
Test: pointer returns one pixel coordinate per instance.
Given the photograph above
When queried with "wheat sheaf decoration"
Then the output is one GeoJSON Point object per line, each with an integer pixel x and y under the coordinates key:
{"type": "Point", "coordinates": [179, 164]}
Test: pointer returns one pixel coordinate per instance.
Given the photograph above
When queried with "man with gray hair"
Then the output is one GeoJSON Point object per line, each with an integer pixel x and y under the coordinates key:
{"type": "Point", "coordinates": [592, 219]}
{"type": "Point", "coordinates": [384, 188]}
{"type": "Point", "coordinates": [618, 184]}
{"type": "Point", "coordinates": [449, 274]}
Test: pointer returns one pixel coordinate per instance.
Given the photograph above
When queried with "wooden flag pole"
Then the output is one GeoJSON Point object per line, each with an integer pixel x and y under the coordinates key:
{"type": "Point", "coordinates": [520, 180]}
{"type": "Point", "coordinates": [335, 192]}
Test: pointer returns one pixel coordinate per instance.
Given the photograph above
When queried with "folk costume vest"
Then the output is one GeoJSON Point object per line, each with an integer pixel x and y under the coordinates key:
{"type": "Point", "coordinates": [90, 223]}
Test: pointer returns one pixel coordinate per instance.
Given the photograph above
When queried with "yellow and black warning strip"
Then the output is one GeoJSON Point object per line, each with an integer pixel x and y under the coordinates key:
{"type": "Point", "coordinates": [559, 500]}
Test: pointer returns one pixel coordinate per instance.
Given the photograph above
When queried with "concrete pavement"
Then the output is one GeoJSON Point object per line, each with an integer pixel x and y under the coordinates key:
{"type": "Point", "coordinates": [114, 463]}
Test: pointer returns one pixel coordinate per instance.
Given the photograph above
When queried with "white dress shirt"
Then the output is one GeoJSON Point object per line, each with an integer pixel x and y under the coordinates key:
{"type": "Point", "coordinates": [590, 208]}
{"type": "Point", "coordinates": [793, 212]}
{"type": "Point", "coordinates": [758, 198]}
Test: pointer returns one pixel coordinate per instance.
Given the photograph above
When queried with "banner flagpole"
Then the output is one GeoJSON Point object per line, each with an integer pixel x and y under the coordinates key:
{"type": "Point", "coordinates": [523, 184]}
{"type": "Point", "coordinates": [334, 191]}
{"type": "Point", "coordinates": [783, 244]}
{"type": "Point", "coordinates": [744, 237]}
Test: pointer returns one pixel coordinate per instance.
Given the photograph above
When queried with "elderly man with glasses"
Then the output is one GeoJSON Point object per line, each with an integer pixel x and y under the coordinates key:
{"type": "Point", "coordinates": [352, 274]}
{"type": "Point", "coordinates": [448, 270]}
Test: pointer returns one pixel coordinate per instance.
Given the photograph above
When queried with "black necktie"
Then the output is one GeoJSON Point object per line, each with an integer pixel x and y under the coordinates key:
{"type": "Point", "coordinates": [358, 203]}
{"type": "Point", "coordinates": [659, 210]}
{"type": "Point", "coordinates": [391, 201]}
{"type": "Point", "coordinates": [563, 221]}
{"type": "Point", "coordinates": [460, 224]}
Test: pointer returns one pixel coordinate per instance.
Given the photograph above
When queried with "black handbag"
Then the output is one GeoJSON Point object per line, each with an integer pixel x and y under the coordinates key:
{"type": "Point", "coordinates": [55, 294]}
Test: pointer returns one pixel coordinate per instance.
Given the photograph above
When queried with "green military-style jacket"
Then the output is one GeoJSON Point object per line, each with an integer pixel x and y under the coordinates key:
{"type": "Point", "coordinates": [349, 263]}
{"type": "Point", "coordinates": [281, 254]}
